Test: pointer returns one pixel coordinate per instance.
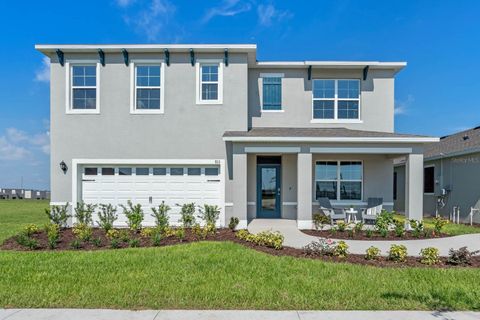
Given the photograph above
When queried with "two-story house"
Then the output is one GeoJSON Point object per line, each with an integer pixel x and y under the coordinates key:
{"type": "Point", "coordinates": [211, 124]}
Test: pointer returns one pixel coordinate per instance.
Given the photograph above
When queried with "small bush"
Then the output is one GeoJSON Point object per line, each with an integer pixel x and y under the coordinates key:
{"type": "Point", "coordinates": [438, 224]}
{"type": "Point", "coordinates": [368, 233]}
{"type": "Point", "coordinates": [107, 216]}
{"type": "Point", "coordinates": [383, 222]}
{"type": "Point", "coordinates": [97, 242]}
{"type": "Point", "coordinates": [417, 228]}
{"type": "Point", "coordinates": [242, 234]}
{"type": "Point", "coordinates": [341, 226]}
{"type": "Point", "coordinates": [30, 230]}
{"type": "Point", "coordinates": [397, 253]}
{"type": "Point", "coordinates": [148, 232]}
{"type": "Point", "coordinates": [58, 215]}
{"type": "Point", "coordinates": [161, 215]}
{"type": "Point", "coordinates": [134, 243]}
{"type": "Point", "coordinates": [169, 232]}
{"type": "Point", "coordinates": [358, 227]}
{"type": "Point", "coordinates": [187, 215]}
{"type": "Point", "coordinates": [461, 256]}
{"type": "Point", "coordinates": [124, 235]}
{"type": "Point", "coordinates": [113, 234]}
{"type": "Point", "coordinates": [372, 253]}
{"type": "Point", "coordinates": [24, 240]}
{"type": "Point", "coordinates": [234, 221]}
{"type": "Point", "coordinates": [76, 244]}
{"type": "Point", "coordinates": [320, 219]}
{"type": "Point", "coordinates": [53, 234]}
{"type": "Point", "coordinates": [351, 233]}
{"type": "Point", "coordinates": [429, 256]}
{"type": "Point", "coordinates": [265, 238]}
{"type": "Point", "coordinates": [114, 243]}
{"type": "Point", "coordinates": [180, 234]}
{"type": "Point", "coordinates": [134, 214]}
{"type": "Point", "coordinates": [322, 247]}
{"type": "Point", "coordinates": [209, 214]}
{"type": "Point", "coordinates": [84, 212]}
{"type": "Point", "coordinates": [341, 249]}
{"type": "Point", "coordinates": [399, 228]}
{"type": "Point", "coordinates": [82, 231]}
{"type": "Point", "coordinates": [156, 239]}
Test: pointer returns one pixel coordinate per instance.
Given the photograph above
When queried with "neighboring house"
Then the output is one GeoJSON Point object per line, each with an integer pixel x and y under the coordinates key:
{"type": "Point", "coordinates": [24, 194]}
{"type": "Point", "coordinates": [451, 176]}
{"type": "Point", "coordinates": [210, 124]}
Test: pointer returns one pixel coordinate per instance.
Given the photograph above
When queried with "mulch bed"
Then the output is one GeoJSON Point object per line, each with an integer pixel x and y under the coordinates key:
{"type": "Point", "coordinates": [375, 235]}
{"type": "Point", "coordinates": [66, 237]}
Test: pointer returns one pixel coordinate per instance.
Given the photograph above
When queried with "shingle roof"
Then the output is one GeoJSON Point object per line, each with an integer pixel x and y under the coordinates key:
{"type": "Point", "coordinates": [461, 142]}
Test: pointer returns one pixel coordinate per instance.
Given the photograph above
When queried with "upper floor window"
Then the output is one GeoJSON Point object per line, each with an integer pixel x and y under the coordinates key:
{"type": "Point", "coordinates": [209, 82]}
{"type": "Point", "coordinates": [83, 92]}
{"type": "Point", "coordinates": [148, 84]}
{"type": "Point", "coordinates": [336, 99]}
{"type": "Point", "coordinates": [272, 92]}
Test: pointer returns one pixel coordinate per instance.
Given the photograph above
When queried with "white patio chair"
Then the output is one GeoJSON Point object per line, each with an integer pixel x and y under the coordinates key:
{"type": "Point", "coordinates": [373, 210]}
{"type": "Point", "coordinates": [329, 211]}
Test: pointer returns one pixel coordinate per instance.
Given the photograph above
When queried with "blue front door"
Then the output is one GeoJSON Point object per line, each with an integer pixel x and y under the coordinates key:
{"type": "Point", "coordinates": [268, 191]}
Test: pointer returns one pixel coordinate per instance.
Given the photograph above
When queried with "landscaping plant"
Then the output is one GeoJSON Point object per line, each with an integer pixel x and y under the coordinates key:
{"type": "Point", "coordinates": [82, 231]}
{"type": "Point", "coordinates": [417, 228]}
{"type": "Point", "coordinates": [148, 232]}
{"type": "Point", "coordinates": [358, 227]}
{"type": "Point", "coordinates": [399, 228]}
{"type": "Point", "coordinates": [264, 238]}
{"type": "Point", "coordinates": [156, 238]}
{"type": "Point", "coordinates": [24, 240]}
{"type": "Point", "coordinates": [429, 255]}
{"type": "Point", "coordinates": [368, 233]}
{"type": "Point", "coordinates": [322, 247]}
{"type": "Point", "coordinates": [180, 234]}
{"type": "Point", "coordinates": [187, 215]}
{"type": "Point", "coordinates": [124, 235]}
{"type": "Point", "coordinates": [134, 214]}
{"type": "Point", "coordinates": [161, 215]}
{"type": "Point", "coordinates": [97, 242]}
{"type": "Point", "coordinates": [341, 226]}
{"type": "Point", "coordinates": [209, 214]}
{"type": "Point", "coordinates": [438, 224]}
{"type": "Point", "coordinates": [30, 230]}
{"type": "Point", "coordinates": [107, 216]}
{"type": "Point", "coordinates": [341, 249]}
{"type": "Point", "coordinates": [372, 253]}
{"type": "Point", "coordinates": [58, 215]}
{"type": "Point", "coordinates": [232, 225]}
{"type": "Point", "coordinates": [320, 219]}
{"type": "Point", "coordinates": [113, 234]}
{"type": "Point", "coordinates": [134, 243]}
{"type": "Point", "coordinates": [84, 212]}
{"type": "Point", "coordinates": [114, 243]}
{"type": "Point", "coordinates": [53, 234]}
{"type": "Point", "coordinates": [397, 253]}
{"type": "Point", "coordinates": [76, 244]}
{"type": "Point", "coordinates": [461, 256]}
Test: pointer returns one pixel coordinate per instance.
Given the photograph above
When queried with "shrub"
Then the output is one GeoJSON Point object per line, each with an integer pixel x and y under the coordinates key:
{"type": "Point", "coordinates": [341, 226]}
{"type": "Point", "coordinates": [107, 216]}
{"type": "Point", "coordinates": [30, 230]}
{"type": "Point", "coordinates": [372, 253]}
{"type": "Point", "coordinates": [82, 231]}
{"type": "Point", "coordinates": [358, 227]}
{"type": "Point", "coordinates": [24, 240]}
{"type": "Point", "coordinates": [169, 232]}
{"type": "Point", "coordinates": [156, 238]}
{"type": "Point", "coordinates": [242, 234]}
{"type": "Point", "coordinates": [351, 232]}
{"type": "Point", "coordinates": [341, 249]}
{"type": "Point", "coordinates": [113, 234]}
{"type": "Point", "coordinates": [114, 243]}
{"type": "Point", "coordinates": [320, 219]}
{"type": "Point", "coordinates": [84, 212]}
{"type": "Point", "coordinates": [438, 224]}
{"type": "Point", "coordinates": [147, 232]}
{"type": "Point", "coordinates": [187, 215]}
{"type": "Point", "coordinates": [461, 256]}
{"type": "Point", "coordinates": [264, 238]}
{"type": "Point", "coordinates": [161, 215]}
{"type": "Point", "coordinates": [383, 222]}
{"type": "Point", "coordinates": [232, 225]}
{"type": "Point", "coordinates": [417, 227]}
{"type": "Point", "coordinates": [368, 233]}
{"type": "Point", "coordinates": [134, 243]}
{"type": "Point", "coordinates": [124, 235]}
{"type": "Point", "coordinates": [429, 256]}
{"type": "Point", "coordinates": [53, 234]}
{"type": "Point", "coordinates": [397, 253]}
{"type": "Point", "coordinates": [180, 234]}
{"type": "Point", "coordinates": [322, 247]}
{"type": "Point", "coordinates": [134, 214]}
{"type": "Point", "coordinates": [209, 214]}
{"type": "Point", "coordinates": [97, 242]}
{"type": "Point", "coordinates": [399, 228]}
{"type": "Point", "coordinates": [58, 215]}
{"type": "Point", "coordinates": [75, 244]}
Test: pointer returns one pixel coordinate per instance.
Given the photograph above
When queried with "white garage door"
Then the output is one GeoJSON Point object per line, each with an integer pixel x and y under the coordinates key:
{"type": "Point", "coordinates": [149, 186]}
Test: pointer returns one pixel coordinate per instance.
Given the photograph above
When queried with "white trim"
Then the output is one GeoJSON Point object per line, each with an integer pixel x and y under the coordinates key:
{"type": "Point", "coordinates": [272, 75]}
{"type": "Point", "coordinates": [58, 203]}
{"type": "Point", "coordinates": [304, 224]}
{"type": "Point", "coordinates": [289, 203]}
{"type": "Point", "coordinates": [335, 120]}
{"type": "Point", "coordinates": [334, 64]}
{"type": "Point", "coordinates": [335, 100]}
{"type": "Point", "coordinates": [68, 87]}
{"type": "Point", "coordinates": [334, 139]}
{"type": "Point", "coordinates": [228, 204]}
{"type": "Point", "coordinates": [251, 203]}
{"type": "Point", "coordinates": [141, 47]}
{"type": "Point", "coordinates": [271, 111]}
{"type": "Point", "coordinates": [198, 82]}
{"type": "Point", "coordinates": [242, 224]}
{"type": "Point", "coordinates": [133, 86]}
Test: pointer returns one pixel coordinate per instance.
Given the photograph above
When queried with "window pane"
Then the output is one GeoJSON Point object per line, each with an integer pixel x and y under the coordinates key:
{"type": "Point", "coordinates": [176, 171]}
{"type": "Point", "coordinates": [194, 171]}
{"type": "Point", "coordinates": [148, 76]}
{"type": "Point", "coordinates": [326, 189]}
{"type": "Point", "coordinates": [324, 89]}
{"type": "Point", "coordinates": [148, 98]}
{"type": "Point", "coordinates": [90, 81]}
{"type": "Point", "coordinates": [78, 71]}
{"type": "Point", "coordinates": [108, 171]}
{"type": "Point", "coordinates": [142, 71]}
{"type": "Point", "coordinates": [159, 171]}
{"type": "Point", "coordinates": [348, 89]}
{"type": "Point", "coordinates": [347, 109]}
{"type": "Point", "coordinates": [209, 72]}
{"type": "Point", "coordinates": [84, 76]}
{"type": "Point", "coordinates": [142, 171]}
{"type": "Point", "coordinates": [90, 70]}
{"type": "Point", "coordinates": [350, 190]}
{"type": "Point", "coordinates": [125, 171]}
{"type": "Point", "coordinates": [78, 81]}
{"type": "Point", "coordinates": [429, 180]}
{"type": "Point", "coordinates": [209, 91]}
{"type": "Point", "coordinates": [326, 170]}
{"type": "Point", "coordinates": [272, 93]}
{"type": "Point", "coordinates": [211, 171]}
{"type": "Point", "coordinates": [323, 109]}
{"type": "Point", "coordinates": [142, 81]}
{"type": "Point", "coordinates": [350, 170]}
{"type": "Point", "coordinates": [84, 99]}
{"type": "Point", "coordinates": [91, 171]}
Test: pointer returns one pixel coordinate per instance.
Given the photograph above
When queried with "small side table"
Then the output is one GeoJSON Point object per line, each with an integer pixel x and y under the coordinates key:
{"type": "Point", "coordinates": [351, 215]}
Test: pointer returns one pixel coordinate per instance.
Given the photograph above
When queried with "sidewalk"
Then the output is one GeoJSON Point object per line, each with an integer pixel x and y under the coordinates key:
{"type": "Point", "coordinates": [104, 314]}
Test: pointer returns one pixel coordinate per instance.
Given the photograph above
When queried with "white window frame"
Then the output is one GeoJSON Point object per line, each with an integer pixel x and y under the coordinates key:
{"type": "Point", "coordinates": [133, 86]}
{"type": "Point", "coordinates": [434, 180]}
{"type": "Point", "coordinates": [69, 86]}
{"type": "Point", "coordinates": [335, 100]}
{"type": "Point", "coordinates": [198, 69]}
{"type": "Point", "coordinates": [338, 200]}
{"type": "Point", "coordinates": [271, 75]}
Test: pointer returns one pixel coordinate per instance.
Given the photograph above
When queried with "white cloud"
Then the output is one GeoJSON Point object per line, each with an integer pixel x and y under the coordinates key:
{"type": "Point", "coordinates": [124, 3]}
{"type": "Point", "coordinates": [10, 151]}
{"type": "Point", "coordinates": [402, 106]}
{"type": "Point", "coordinates": [16, 135]}
{"type": "Point", "coordinates": [268, 14]}
{"type": "Point", "coordinates": [43, 73]}
{"type": "Point", "coordinates": [16, 144]}
{"type": "Point", "coordinates": [228, 8]}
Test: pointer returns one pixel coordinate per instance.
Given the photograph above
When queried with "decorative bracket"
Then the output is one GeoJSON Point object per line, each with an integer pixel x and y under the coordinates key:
{"type": "Point", "coordinates": [125, 57]}
{"type": "Point", "coordinates": [101, 55]}
{"type": "Point", "coordinates": [60, 56]}
{"type": "Point", "coordinates": [192, 57]}
{"type": "Point", "coordinates": [365, 72]}
{"type": "Point", "coordinates": [225, 59]}
{"type": "Point", "coordinates": [167, 56]}
{"type": "Point", "coordinates": [309, 72]}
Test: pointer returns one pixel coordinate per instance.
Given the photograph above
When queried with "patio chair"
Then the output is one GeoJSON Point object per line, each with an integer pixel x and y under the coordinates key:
{"type": "Point", "coordinates": [373, 209]}
{"type": "Point", "coordinates": [329, 211]}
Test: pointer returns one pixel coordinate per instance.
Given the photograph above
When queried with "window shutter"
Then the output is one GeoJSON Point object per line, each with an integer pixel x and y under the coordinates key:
{"type": "Point", "coordinates": [272, 93]}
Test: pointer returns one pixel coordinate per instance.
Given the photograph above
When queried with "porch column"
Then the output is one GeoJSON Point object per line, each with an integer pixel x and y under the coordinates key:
{"type": "Point", "coordinates": [240, 189]}
{"type": "Point", "coordinates": [304, 191]}
{"type": "Point", "coordinates": [414, 187]}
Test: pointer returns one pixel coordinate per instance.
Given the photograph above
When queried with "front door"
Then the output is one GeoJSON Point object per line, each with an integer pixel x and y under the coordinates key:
{"type": "Point", "coordinates": [268, 191]}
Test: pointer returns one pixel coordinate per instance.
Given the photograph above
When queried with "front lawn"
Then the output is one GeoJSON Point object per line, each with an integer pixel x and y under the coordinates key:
{"type": "Point", "coordinates": [15, 214]}
{"type": "Point", "coordinates": [451, 228]}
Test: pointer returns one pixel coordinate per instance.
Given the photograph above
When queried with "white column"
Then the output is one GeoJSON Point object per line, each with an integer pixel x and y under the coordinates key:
{"type": "Point", "coordinates": [240, 189]}
{"type": "Point", "coordinates": [414, 187]}
{"type": "Point", "coordinates": [304, 191]}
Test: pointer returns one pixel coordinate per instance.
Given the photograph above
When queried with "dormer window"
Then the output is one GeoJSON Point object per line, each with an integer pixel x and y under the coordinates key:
{"type": "Point", "coordinates": [336, 100]}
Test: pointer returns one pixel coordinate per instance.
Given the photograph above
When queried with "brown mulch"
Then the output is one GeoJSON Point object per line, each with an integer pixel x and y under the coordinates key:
{"type": "Point", "coordinates": [375, 235]}
{"type": "Point", "coordinates": [66, 237]}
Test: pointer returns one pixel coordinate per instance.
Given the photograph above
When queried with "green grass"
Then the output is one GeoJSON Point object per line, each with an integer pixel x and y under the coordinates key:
{"type": "Point", "coordinates": [450, 228]}
{"type": "Point", "coordinates": [214, 275]}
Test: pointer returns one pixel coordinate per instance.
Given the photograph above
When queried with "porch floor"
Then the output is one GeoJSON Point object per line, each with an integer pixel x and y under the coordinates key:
{"type": "Point", "coordinates": [297, 239]}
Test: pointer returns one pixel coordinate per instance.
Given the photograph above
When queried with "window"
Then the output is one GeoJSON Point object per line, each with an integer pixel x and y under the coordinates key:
{"type": "Point", "coordinates": [211, 171]}
{"type": "Point", "coordinates": [125, 171]}
{"type": "Point", "coordinates": [272, 92]}
{"type": "Point", "coordinates": [336, 99]}
{"type": "Point", "coordinates": [108, 171]}
{"type": "Point", "coordinates": [159, 171]}
{"type": "Point", "coordinates": [429, 179]}
{"type": "Point", "coordinates": [194, 171]}
{"type": "Point", "coordinates": [209, 82]}
{"type": "Point", "coordinates": [142, 171]}
{"type": "Point", "coordinates": [176, 171]}
{"type": "Point", "coordinates": [83, 88]}
{"type": "Point", "coordinates": [339, 180]}
{"type": "Point", "coordinates": [91, 171]}
{"type": "Point", "coordinates": [148, 85]}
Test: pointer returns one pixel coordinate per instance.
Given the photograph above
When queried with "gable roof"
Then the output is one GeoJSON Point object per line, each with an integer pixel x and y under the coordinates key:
{"type": "Point", "coordinates": [463, 142]}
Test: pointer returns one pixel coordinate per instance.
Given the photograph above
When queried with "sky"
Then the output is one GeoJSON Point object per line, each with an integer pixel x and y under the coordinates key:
{"type": "Point", "coordinates": [434, 94]}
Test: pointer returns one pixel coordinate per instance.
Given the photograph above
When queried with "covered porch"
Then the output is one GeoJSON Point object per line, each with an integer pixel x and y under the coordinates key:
{"type": "Point", "coordinates": [282, 172]}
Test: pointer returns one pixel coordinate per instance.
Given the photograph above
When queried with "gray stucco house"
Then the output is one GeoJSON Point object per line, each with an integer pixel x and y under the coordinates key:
{"type": "Point", "coordinates": [451, 177]}
{"type": "Point", "coordinates": [211, 124]}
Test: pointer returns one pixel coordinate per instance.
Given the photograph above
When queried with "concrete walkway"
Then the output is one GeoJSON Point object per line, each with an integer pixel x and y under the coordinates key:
{"type": "Point", "coordinates": [105, 314]}
{"type": "Point", "coordinates": [297, 239]}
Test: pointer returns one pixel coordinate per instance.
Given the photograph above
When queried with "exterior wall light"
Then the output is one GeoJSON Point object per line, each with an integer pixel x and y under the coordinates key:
{"type": "Point", "coordinates": [63, 166]}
